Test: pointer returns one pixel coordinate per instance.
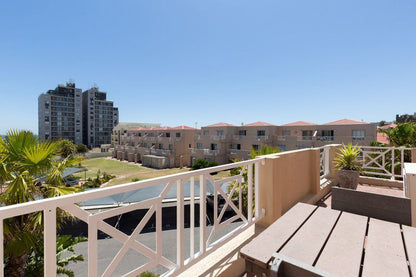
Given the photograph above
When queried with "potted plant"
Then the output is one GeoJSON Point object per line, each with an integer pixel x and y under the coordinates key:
{"type": "Point", "coordinates": [348, 165]}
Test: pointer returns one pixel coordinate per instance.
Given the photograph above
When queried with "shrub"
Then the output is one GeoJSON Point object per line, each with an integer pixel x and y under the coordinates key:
{"type": "Point", "coordinates": [203, 163]}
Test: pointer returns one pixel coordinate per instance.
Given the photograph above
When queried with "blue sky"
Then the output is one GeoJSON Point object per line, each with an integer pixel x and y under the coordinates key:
{"type": "Point", "coordinates": [181, 62]}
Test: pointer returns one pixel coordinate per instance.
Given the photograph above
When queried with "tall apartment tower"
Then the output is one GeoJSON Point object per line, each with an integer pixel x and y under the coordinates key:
{"type": "Point", "coordinates": [99, 117]}
{"type": "Point", "coordinates": [60, 113]}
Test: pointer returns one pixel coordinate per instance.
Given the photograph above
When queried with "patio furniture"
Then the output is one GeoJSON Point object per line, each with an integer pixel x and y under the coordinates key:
{"type": "Point", "coordinates": [324, 242]}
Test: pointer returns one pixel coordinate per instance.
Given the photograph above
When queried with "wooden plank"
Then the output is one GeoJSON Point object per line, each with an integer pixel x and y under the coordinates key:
{"type": "Point", "coordinates": [261, 248]}
{"type": "Point", "coordinates": [308, 241]}
{"type": "Point", "coordinates": [342, 253]}
{"type": "Point", "coordinates": [384, 253]}
{"type": "Point", "coordinates": [409, 234]}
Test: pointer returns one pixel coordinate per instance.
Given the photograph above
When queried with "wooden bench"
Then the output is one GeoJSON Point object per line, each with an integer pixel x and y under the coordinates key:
{"type": "Point", "coordinates": [335, 242]}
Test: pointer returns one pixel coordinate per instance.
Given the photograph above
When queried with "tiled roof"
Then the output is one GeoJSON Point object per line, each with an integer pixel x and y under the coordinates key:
{"type": "Point", "coordinates": [388, 126]}
{"type": "Point", "coordinates": [183, 127]}
{"type": "Point", "coordinates": [220, 124]}
{"type": "Point", "coordinates": [299, 123]}
{"type": "Point", "coordinates": [259, 123]}
{"type": "Point", "coordinates": [383, 138]}
{"type": "Point", "coordinates": [345, 121]}
{"type": "Point", "coordinates": [164, 128]}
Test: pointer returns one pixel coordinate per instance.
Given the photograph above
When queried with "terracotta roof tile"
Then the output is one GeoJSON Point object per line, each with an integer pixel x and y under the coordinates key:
{"type": "Point", "coordinates": [299, 123]}
{"type": "Point", "coordinates": [259, 123]}
{"type": "Point", "coordinates": [345, 121]}
{"type": "Point", "coordinates": [221, 124]}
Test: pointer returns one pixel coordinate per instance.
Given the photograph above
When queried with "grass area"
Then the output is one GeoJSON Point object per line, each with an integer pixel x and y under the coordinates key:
{"type": "Point", "coordinates": [126, 172]}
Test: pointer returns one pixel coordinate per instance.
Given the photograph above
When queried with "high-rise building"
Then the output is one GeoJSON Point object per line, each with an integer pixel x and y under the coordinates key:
{"type": "Point", "coordinates": [60, 113]}
{"type": "Point", "coordinates": [99, 117]}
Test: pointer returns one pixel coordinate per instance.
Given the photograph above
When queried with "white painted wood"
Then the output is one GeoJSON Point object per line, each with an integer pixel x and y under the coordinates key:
{"type": "Point", "coordinates": [180, 232]}
{"type": "Point", "coordinates": [202, 214]}
{"type": "Point", "coordinates": [192, 219]}
{"type": "Point", "coordinates": [256, 189]}
{"type": "Point", "coordinates": [250, 192]}
{"type": "Point", "coordinates": [1, 248]}
{"type": "Point", "coordinates": [92, 248]}
{"type": "Point", "coordinates": [49, 241]}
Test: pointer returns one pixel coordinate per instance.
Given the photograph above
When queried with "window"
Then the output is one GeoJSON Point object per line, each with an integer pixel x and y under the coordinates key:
{"type": "Point", "coordinates": [307, 134]}
{"type": "Point", "coordinates": [255, 147]}
{"type": "Point", "coordinates": [282, 147]}
{"type": "Point", "coordinates": [178, 135]}
{"type": "Point", "coordinates": [199, 146]}
{"type": "Point", "coordinates": [358, 134]}
{"type": "Point", "coordinates": [170, 146]}
{"type": "Point", "coordinates": [206, 133]}
{"type": "Point", "coordinates": [286, 133]}
{"type": "Point", "coordinates": [168, 135]}
{"type": "Point", "coordinates": [160, 146]}
{"type": "Point", "coordinates": [236, 146]}
{"type": "Point", "coordinates": [242, 132]}
{"type": "Point", "coordinates": [327, 135]}
{"type": "Point", "coordinates": [220, 133]}
{"type": "Point", "coordinates": [214, 146]}
{"type": "Point", "coordinates": [261, 133]}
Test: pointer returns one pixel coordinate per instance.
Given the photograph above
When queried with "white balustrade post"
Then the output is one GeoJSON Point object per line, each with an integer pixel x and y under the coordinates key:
{"type": "Point", "coordinates": [393, 177]}
{"type": "Point", "coordinates": [250, 192]}
{"type": "Point", "coordinates": [1, 248]}
{"type": "Point", "coordinates": [180, 250]}
{"type": "Point", "coordinates": [202, 214]}
{"type": "Point", "coordinates": [256, 189]}
{"type": "Point", "coordinates": [92, 247]}
{"type": "Point", "coordinates": [49, 241]}
{"type": "Point", "coordinates": [192, 219]}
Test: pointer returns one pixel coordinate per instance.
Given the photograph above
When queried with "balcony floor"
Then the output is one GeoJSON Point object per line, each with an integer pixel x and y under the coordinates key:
{"type": "Point", "coordinates": [391, 191]}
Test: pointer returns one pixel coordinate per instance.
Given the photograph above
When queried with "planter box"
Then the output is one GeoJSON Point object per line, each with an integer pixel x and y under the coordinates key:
{"type": "Point", "coordinates": [384, 207]}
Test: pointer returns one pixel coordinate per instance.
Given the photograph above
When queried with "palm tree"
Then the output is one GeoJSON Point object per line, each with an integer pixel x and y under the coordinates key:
{"type": "Point", "coordinates": [24, 159]}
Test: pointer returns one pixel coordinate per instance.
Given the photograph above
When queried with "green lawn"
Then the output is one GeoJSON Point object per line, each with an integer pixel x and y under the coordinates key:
{"type": "Point", "coordinates": [123, 171]}
{"type": "Point", "coordinates": [126, 172]}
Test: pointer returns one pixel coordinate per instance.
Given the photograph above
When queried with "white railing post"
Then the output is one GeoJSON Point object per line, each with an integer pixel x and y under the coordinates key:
{"type": "Point", "coordinates": [180, 253]}
{"type": "Point", "coordinates": [393, 177]}
{"type": "Point", "coordinates": [202, 214]}
{"type": "Point", "coordinates": [49, 241]}
{"type": "Point", "coordinates": [327, 168]}
{"type": "Point", "coordinates": [1, 248]}
{"type": "Point", "coordinates": [250, 192]}
{"type": "Point", "coordinates": [92, 247]}
{"type": "Point", "coordinates": [192, 219]}
{"type": "Point", "coordinates": [256, 189]}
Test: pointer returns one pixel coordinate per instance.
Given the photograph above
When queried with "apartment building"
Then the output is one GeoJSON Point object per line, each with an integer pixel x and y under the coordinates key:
{"type": "Point", "coordinates": [222, 142]}
{"type": "Point", "coordinates": [99, 117]}
{"type": "Point", "coordinates": [158, 147]}
{"type": "Point", "coordinates": [119, 134]}
{"type": "Point", "coordinates": [60, 113]}
{"type": "Point", "coordinates": [213, 141]}
{"type": "Point", "coordinates": [301, 134]}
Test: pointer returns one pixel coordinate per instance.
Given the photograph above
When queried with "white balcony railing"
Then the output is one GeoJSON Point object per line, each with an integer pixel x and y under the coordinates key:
{"type": "Point", "coordinates": [324, 166]}
{"type": "Point", "coordinates": [385, 161]}
{"type": "Point", "coordinates": [199, 181]}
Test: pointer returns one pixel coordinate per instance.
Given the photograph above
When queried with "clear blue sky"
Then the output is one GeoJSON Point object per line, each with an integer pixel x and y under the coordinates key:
{"type": "Point", "coordinates": [181, 62]}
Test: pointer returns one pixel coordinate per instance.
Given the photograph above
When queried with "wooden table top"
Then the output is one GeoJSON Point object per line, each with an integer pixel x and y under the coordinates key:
{"type": "Point", "coordinates": [339, 243]}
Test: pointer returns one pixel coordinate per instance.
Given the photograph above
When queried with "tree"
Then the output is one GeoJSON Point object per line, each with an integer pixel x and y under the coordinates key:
{"type": "Point", "coordinates": [66, 148]}
{"type": "Point", "coordinates": [82, 148]}
{"type": "Point", "coordinates": [203, 163]}
{"type": "Point", "coordinates": [404, 134]}
{"type": "Point", "coordinates": [24, 161]}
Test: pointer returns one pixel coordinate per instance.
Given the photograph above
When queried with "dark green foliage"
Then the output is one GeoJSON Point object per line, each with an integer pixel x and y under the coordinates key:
{"type": "Point", "coordinates": [404, 134]}
{"type": "Point", "coordinates": [66, 148]}
{"type": "Point", "coordinates": [149, 274]}
{"type": "Point", "coordinates": [203, 163]}
{"type": "Point", "coordinates": [82, 148]}
{"type": "Point", "coordinates": [265, 150]}
{"type": "Point", "coordinates": [98, 181]}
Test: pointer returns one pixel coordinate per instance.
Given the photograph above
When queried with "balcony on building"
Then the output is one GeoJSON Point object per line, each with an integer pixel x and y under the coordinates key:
{"type": "Point", "coordinates": [169, 237]}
